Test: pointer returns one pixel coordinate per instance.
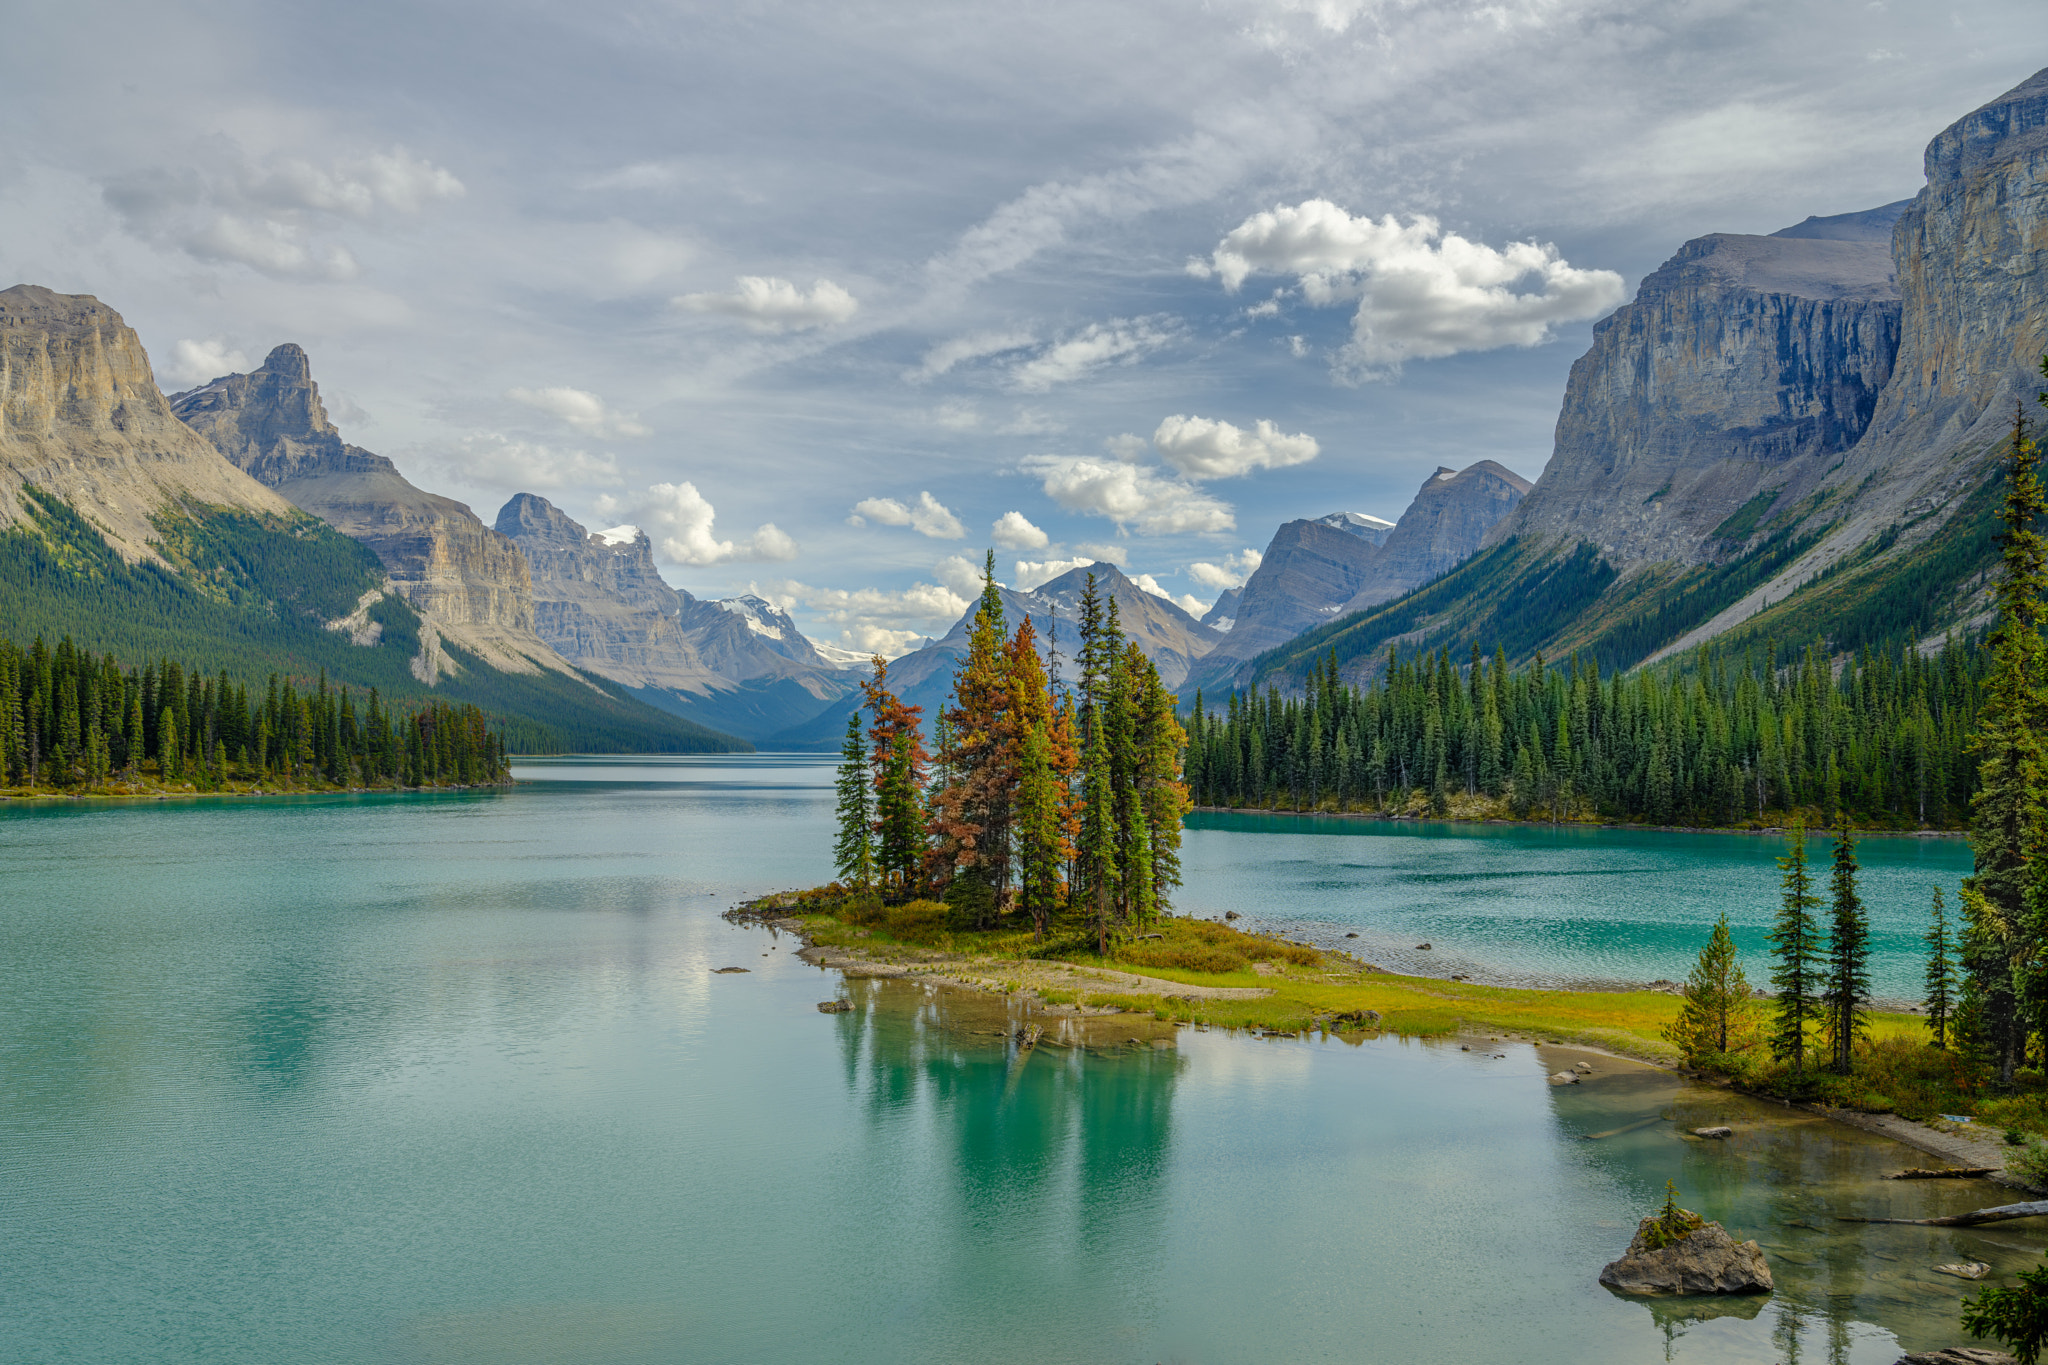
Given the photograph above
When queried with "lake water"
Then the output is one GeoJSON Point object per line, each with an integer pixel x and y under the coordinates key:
{"type": "Point", "coordinates": [450, 1079]}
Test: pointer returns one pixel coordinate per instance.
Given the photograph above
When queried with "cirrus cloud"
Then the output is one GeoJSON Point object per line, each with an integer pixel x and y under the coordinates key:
{"type": "Point", "coordinates": [1422, 293]}
{"type": "Point", "coordinates": [768, 303]}
{"type": "Point", "coordinates": [1120, 341]}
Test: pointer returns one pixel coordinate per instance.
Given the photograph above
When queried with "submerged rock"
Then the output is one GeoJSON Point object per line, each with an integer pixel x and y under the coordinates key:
{"type": "Point", "coordinates": [834, 1006]}
{"type": "Point", "coordinates": [721, 971]}
{"type": "Point", "coordinates": [1707, 1261]}
{"type": "Point", "coordinates": [1964, 1270]}
{"type": "Point", "coordinates": [1565, 1078]}
{"type": "Point", "coordinates": [1722, 1132]}
{"type": "Point", "coordinates": [1960, 1355]}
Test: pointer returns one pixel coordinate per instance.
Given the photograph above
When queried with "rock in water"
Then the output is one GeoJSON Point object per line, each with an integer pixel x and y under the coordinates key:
{"type": "Point", "coordinates": [1565, 1078]}
{"type": "Point", "coordinates": [1965, 1270]}
{"type": "Point", "coordinates": [834, 1006]}
{"type": "Point", "coordinates": [1713, 1132]}
{"type": "Point", "coordinates": [1708, 1261]}
{"type": "Point", "coordinates": [1960, 1355]}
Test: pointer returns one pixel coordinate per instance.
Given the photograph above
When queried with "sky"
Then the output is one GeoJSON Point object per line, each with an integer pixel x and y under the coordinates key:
{"type": "Point", "coordinates": [832, 298]}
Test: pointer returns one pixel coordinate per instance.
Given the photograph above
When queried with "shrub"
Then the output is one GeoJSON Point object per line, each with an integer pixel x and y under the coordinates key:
{"type": "Point", "coordinates": [2030, 1164]}
{"type": "Point", "coordinates": [1187, 957]}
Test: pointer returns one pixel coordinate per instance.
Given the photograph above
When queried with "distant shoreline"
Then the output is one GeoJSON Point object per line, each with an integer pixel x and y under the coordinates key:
{"type": "Point", "coordinates": [1774, 830]}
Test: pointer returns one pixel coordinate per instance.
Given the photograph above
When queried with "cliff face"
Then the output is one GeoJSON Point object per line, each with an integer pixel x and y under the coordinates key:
{"type": "Point", "coordinates": [81, 416]}
{"type": "Point", "coordinates": [1309, 571]}
{"type": "Point", "coordinates": [599, 601]}
{"type": "Point", "coordinates": [1744, 364]}
{"type": "Point", "coordinates": [1450, 518]}
{"type": "Point", "coordinates": [470, 584]}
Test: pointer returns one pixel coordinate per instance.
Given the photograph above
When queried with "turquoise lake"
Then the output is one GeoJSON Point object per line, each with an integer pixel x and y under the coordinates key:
{"type": "Point", "coordinates": [450, 1079]}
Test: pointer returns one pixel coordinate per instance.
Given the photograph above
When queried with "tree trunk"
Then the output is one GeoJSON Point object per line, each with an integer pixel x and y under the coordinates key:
{"type": "Point", "coordinates": [2001, 1213]}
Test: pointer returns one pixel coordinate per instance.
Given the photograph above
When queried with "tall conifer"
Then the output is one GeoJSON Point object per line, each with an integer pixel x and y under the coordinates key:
{"type": "Point", "coordinates": [1847, 989]}
{"type": "Point", "coordinates": [853, 855]}
{"type": "Point", "coordinates": [1795, 955]}
{"type": "Point", "coordinates": [1940, 977]}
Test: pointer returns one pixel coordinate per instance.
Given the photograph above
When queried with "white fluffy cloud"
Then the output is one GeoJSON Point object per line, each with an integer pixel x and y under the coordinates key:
{"type": "Point", "coordinates": [195, 362]}
{"type": "Point", "coordinates": [221, 206]}
{"type": "Point", "coordinates": [1201, 448]}
{"type": "Point", "coordinates": [1014, 531]}
{"type": "Point", "coordinates": [1187, 602]}
{"type": "Point", "coordinates": [497, 461]}
{"type": "Point", "coordinates": [1120, 341]}
{"type": "Point", "coordinates": [1231, 573]}
{"type": "Point", "coordinates": [1031, 573]}
{"type": "Point", "coordinates": [1422, 292]}
{"type": "Point", "coordinates": [678, 519]}
{"type": "Point", "coordinates": [767, 303]}
{"type": "Point", "coordinates": [929, 517]}
{"type": "Point", "coordinates": [874, 619]}
{"type": "Point", "coordinates": [962, 349]}
{"type": "Point", "coordinates": [582, 410]}
{"type": "Point", "coordinates": [1129, 494]}
{"type": "Point", "coordinates": [959, 574]}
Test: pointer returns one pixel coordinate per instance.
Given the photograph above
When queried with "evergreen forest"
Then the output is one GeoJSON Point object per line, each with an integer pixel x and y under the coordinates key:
{"type": "Point", "coordinates": [73, 721]}
{"type": "Point", "coordinates": [1714, 739]}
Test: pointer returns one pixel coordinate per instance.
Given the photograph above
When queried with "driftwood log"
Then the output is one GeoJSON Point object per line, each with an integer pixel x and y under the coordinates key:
{"type": "Point", "coordinates": [1950, 1173]}
{"type": "Point", "coordinates": [2036, 1208]}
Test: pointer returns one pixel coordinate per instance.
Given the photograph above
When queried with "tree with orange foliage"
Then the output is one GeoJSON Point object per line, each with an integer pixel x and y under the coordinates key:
{"type": "Point", "coordinates": [972, 811]}
{"type": "Point", "coordinates": [897, 756]}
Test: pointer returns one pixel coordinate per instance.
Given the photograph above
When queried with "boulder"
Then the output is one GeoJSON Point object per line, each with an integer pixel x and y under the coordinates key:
{"type": "Point", "coordinates": [1708, 1261]}
{"type": "Point", "coordinates": [1565, 1078]}
{"type": "Point", "coordinates": [834, 1006]}
{"type": "Point", "coordinates": [1722, 1132]}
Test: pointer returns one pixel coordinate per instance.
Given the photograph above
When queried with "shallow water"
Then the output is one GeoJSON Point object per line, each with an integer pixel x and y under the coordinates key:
{"type": "Point", "coordinates": [450, 1079]}
{"type": "Point", "coordinates": [1532, 905]}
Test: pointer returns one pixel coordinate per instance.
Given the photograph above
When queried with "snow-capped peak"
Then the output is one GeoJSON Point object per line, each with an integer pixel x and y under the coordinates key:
{"type": "Point", "coordinates": [756, 613]}
{"type": "Point", "coordinates": [619, 535]}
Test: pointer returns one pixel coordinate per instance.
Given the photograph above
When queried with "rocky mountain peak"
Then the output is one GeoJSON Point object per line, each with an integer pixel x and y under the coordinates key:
{"type": "Point", "coordinates": [270, 421]}
{"type": "Point", "coordinates": [81, 416]}
{"type": "Point", "coordinates": [2014, 124]}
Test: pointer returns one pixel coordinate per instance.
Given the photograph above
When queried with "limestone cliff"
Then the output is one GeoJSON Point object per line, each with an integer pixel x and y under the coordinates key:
{"type": "Point", "coordinates": [1745, 364]}
{"type": "Point", "coordinates": [1450, 517]}
{"type": "Point", "coordinates": [81, 417]}
{"type": "Point", "coordinates": [1310, 570]}
{"type": "Point", "coordinates": [598, 600]}
{"type": "Point", "coordinates": [470, 584]}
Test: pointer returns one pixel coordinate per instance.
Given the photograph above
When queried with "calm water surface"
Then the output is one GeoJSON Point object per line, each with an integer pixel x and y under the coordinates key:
{"type": "Point", "coordinates": [450, 1079]}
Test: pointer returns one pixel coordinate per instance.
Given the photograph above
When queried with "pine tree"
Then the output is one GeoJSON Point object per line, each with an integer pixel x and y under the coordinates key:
{"type": "Point", "coordinates": [1848, 959]}
{"type": "Point", "coordinates": [897, 759]}
{"type": "Point", "coordinates": [1719, 1013]}
{"type": "Point", "coordinates": [854, 854]}
{"type": "Point", "coordinates": [1795, 953]}
{"type": "Point", "coordinates": [1940, 979]}
{"type": "Point", "coordinates": [2006, 825]}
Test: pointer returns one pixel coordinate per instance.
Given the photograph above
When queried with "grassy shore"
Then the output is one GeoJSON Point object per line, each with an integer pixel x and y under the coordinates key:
{"type": "Point", "coordinates": [1203, 972]}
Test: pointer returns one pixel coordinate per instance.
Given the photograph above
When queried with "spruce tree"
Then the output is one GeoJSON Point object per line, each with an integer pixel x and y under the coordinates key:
{"type": "Point", "coordinates": [1795, 955]}
{"type": "Point", "coordinates": [2006, 823]}
{"type": "Point", "coordinates": [1848, 959]}
{"type": "Point", "coordinates": [1719, 1013]}
{"type": "Point", "coordinates": [1940, 979]}
{"type": "Point", "coordinates": [853, 856]}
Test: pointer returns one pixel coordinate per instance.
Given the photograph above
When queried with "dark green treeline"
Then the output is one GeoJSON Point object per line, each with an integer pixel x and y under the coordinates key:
{"type": "Point", "coordinates": [1718, 740]}
{"type": "Point", "coordinates": [69, 719]}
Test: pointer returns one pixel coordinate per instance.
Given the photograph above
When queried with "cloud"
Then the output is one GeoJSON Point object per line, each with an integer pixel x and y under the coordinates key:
{"type": "Point", "coordinates": [678, 519]}
{"type": "Point", "coordinates": [220, 206]}
{"type": "Point", "coordinates": [876, 619]}
{"type": "Point", "coordinates": [1129, 495]}
{"type": "Point", "coordinates": [766, 303]}
{"type": "Point", "coordinates": [194, 362]}
{"type": "Point", "coordinates": [959, 574]}
{"type": "Point", "coordinates": [929, 518]}
{"type": "Point", "coordinates": [1187, 602]}
{"type": "Point", "coordinates": [1108, 554]}
{"type": "Point", "coordinates": [582, 410]}
{"type": "Point", "coordinates": [1033, 573]}
{"type": "Point", "coordinates": [1231, 573]}
{"type": "Point", "coordinates": [1120, 341]}
{"type": "Point", "coordinates": [961, 349]}
{"type": "Point", "coordinates": [1013, 531]}
{"type": "Point", "coordinates": [1204, 449]}
{"type": "Point", "coordinates": [1422, 293]}
{"type": "Point", "coordinates": [498, 461]}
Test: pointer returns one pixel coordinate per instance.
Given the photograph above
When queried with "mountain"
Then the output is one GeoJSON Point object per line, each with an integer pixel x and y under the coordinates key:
{"type": "Point", "coordinates": [1792, 438]}
{"type": "Point", "coordinates": [81, 418]}
{"type": "Point", "coordinates": [126, 530]}
{"type": "Point", "coordinates": [470, 585]}
{"type": "Point", "coordinates": [1171, 638]}
{"type": "Point", "coordinates": [1373, 530]}
{"type": "Point", "coordinates": [1222, 613]}
{"type": "Point", "coordinates": [1451, 517]}
{"type": "Point", "coordinates": [739, 665]}
{"type": "Point", "coordinates": [1315, 571]}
